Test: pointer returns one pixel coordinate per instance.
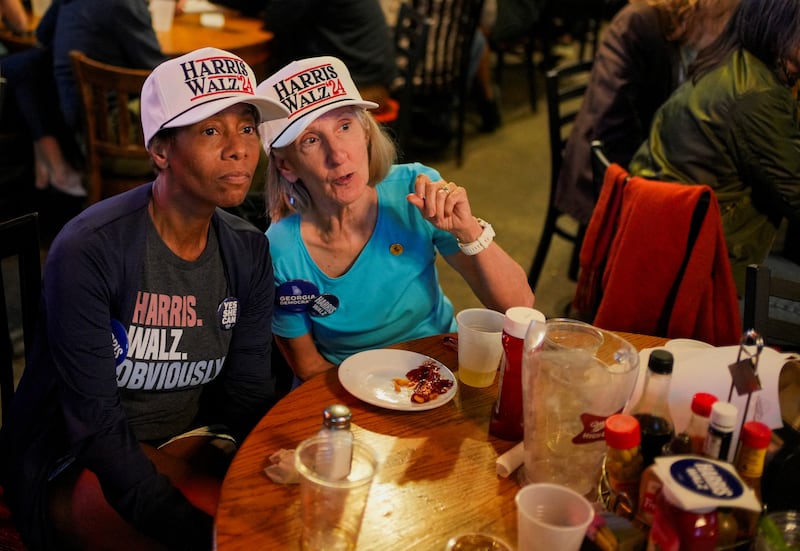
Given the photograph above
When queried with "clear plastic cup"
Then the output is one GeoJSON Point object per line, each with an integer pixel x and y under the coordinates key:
{"type": "Point", "coordinates": [332, 510]}
{"type": "Point", "coordinates": [479, 345]}
{"type": "Point", "coordinates": [551, 516]}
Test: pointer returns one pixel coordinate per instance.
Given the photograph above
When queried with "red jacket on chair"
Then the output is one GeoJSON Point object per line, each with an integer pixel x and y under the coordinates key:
{"type": "Point", "coordinates": [654, 261]}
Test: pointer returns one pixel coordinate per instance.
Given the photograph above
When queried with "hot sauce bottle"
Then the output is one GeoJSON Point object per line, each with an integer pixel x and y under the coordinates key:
{"type": "Point", "coordinates": [676, 529]}
{"type": "Point", "coordinates": [623, 462]}
{"type": "Point", "coordinates": [697, 429]}
{"type": "Point", "coordinates": [753, 443]}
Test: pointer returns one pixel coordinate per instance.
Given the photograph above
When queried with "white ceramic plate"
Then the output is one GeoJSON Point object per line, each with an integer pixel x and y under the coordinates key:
{"type": "Point", "coordinates": [368, 376]}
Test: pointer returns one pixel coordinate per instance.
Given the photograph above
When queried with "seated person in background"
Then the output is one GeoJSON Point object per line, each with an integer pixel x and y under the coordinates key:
{"type": "Point", "coordinates": [117, 32]}
{"type": "Point", "coordinates": [152, 356]}
{"type": "Point", "coordinates": [40, 80]}
{"type": "Point", "coordinates": [355, 31]}
{"type": "Point", "coordinates": [642, 57]}
{"type": "Point", "coordinates": [31, 108]}
{"type": "Point", "coordinates": [354, 238]}
{"type": "Point", "coordinates": [734, 126]}
{"type": "Point", "coordinates": [14, 15]}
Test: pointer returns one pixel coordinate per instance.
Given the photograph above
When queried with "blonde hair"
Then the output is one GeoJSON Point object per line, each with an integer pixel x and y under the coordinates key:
{"type": "Point", "coordinates": [284, 198]}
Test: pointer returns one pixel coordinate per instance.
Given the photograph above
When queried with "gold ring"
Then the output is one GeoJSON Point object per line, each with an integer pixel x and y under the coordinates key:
{"type": "Point", "coordinates": [444, 189]}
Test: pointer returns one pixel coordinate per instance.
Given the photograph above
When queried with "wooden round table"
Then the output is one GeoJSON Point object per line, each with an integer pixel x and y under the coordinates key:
{"type": "Point", "coordinates": [437, 477]}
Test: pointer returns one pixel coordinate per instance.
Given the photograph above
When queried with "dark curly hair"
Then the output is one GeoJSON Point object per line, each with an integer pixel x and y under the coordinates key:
{"type": "Point", "coordinates": [767, 29]}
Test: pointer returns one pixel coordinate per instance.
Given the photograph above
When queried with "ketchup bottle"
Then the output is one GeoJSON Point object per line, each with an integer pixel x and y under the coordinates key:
{"type": "Point", "coordinates": [506, 421]}
{"type": "Point", "coordinates": [676, 529]}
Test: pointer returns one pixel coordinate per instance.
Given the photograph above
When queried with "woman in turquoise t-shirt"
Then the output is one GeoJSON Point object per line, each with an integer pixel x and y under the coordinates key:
{"type": "Point", "coordinates": [353, 237]}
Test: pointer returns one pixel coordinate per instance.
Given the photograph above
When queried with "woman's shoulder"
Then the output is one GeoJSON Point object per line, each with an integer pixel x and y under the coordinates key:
{"type": "Point", "coordinates": [281, 232]}
{"type": "Point", "coordinates": [406, 174]}
{"type": "Point", "coordinates": [741, 76]}
{"type": "Point", "coordinates": [637, 22]}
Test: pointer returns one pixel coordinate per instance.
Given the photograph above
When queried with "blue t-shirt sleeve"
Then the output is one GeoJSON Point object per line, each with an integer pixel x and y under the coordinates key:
{"type": "Point", "coordinates": [290, 260]}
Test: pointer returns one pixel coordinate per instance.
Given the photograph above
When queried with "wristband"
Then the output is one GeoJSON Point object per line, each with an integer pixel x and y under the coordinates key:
{"type": "Point", "coordinates": [483, 241]}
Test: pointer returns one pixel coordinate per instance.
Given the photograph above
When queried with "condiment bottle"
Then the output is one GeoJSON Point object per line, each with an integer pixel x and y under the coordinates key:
{"type": "Point", "coordinates": [697, 429]}
{"type": "Point", "coordinates": [506, 420]}
{"type": "Point", "coordinates": [652, 409]}
{"type": "Point", "coordinates": [720, 430]}
{"type": "Point", "coordinates": [334, 458]}
{"type": "Point", "coordinates": [678, 529]}
{"type": "Point", "coordinates": [680, 444]}
{"type": "Point", "coordinates": [649, 489]}
{"type": "Point", "coordinates": [753, 443]}
{"type": "Point", "coordinates": [623, 463]}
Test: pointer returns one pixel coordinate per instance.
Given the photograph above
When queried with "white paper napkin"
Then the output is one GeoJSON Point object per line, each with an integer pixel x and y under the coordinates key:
{"type": "Point", "coordinates": [281, 468]}
{"type": "Point", "coordinates": [510, 461]}
{"type": "Point", "coordinates": [699, 369]}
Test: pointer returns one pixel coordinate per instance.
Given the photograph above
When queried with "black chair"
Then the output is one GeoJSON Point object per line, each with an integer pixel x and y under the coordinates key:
{"type": "Point", "coordinates": [441, 83]}
{"type": "Point", "coordinates": [19, 239]}
{"type": "Point", "coordinates": [761, 285]}
{"type": "Point", "coordinates": [524, 45]}
{"type": "Point", "coordinates": [565, 87]}
{"type": "Point", "coordinates": [410, 39]}
{"type": "Point", "coordinates": [600, 164]}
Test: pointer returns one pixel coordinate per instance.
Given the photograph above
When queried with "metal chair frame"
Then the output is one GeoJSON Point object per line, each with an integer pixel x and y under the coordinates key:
{"type": "Point", "coordinates": [19, 238]}
{"type": "Point", "coordinates": [565, 87]}
{"type": "Point", "coordinates": [760, 285]}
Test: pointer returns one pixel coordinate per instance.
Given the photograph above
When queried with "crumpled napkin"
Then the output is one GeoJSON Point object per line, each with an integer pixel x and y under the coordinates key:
{"type": "Point", "coordinates": [281, 468]}
{"type": "Point", "coordinates": [510, 461]}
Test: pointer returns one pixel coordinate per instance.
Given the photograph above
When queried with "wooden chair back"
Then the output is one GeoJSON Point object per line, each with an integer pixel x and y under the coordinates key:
{"type": "Point", "coordinates": [410, 39]}
{"type": "Point", "coordinates": [116, 155]}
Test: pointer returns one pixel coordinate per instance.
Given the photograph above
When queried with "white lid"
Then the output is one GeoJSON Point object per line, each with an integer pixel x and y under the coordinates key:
{"type": "Point", "coordinates": [519, 318]}
{"type": "Point", "coordinates": [724, 414]}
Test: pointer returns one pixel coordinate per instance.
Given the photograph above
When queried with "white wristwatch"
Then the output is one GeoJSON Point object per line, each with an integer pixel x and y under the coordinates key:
{"type": "Point", "coordinates": [483, 241]}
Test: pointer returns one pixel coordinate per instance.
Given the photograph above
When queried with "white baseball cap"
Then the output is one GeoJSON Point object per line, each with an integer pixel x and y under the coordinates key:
{"type": "Point", "coordinates": [308, 88]}
{"type": "Point", "coordinates": [195, 86]}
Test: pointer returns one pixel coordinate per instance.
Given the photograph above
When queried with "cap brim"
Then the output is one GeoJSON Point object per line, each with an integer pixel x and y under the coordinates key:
{"type": "Point", "coordinates": [268, 110]}
{"type": "Point", "coordinates": [294, 129]}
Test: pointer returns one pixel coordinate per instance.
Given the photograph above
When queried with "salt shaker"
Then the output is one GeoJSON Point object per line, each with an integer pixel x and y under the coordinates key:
{"type": "Point", "coordinates": [335, 455]}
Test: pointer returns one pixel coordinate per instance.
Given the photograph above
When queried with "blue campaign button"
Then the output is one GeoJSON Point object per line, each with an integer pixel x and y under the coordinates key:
{"type": "Point", "coordinates": [228, 313]}
{"type": "Point", "coordinates": [706, 478]}
{"type": "Point", "coordinates": [295, 295]}
{"type": "Point", "coordinates": [119, 340]}
{"type": "Point", "coordinates": [324, 305]}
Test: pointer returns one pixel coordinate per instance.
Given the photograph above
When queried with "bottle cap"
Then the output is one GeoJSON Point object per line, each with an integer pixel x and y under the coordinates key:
{"type": "Point", "coordinates": [336, 417]}
{"type": "Point", "coordinates": [702, 402]}
{"type": "Point", "coordinates": [723, 415]}
{"type": "Point", "coordinates": [756, 435]}
{"type": "Point", "coordinates": [519, 318]}
{"type": "Point", "coordinates": [660, 362]}
{"type": "Point", "coordinates": [622, 431]}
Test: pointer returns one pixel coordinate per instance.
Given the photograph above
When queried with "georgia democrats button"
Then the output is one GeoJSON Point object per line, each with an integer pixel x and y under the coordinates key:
{"type": "Point", "coordinates": [296, 294]}
{"type": "Point", "coordinates": [119, 340]}
{"type": "Point", "coordinates": [324, 305]}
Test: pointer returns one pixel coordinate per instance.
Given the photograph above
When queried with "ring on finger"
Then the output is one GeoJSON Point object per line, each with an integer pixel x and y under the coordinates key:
{"type": "Point", "coordinates": [444, 189]}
